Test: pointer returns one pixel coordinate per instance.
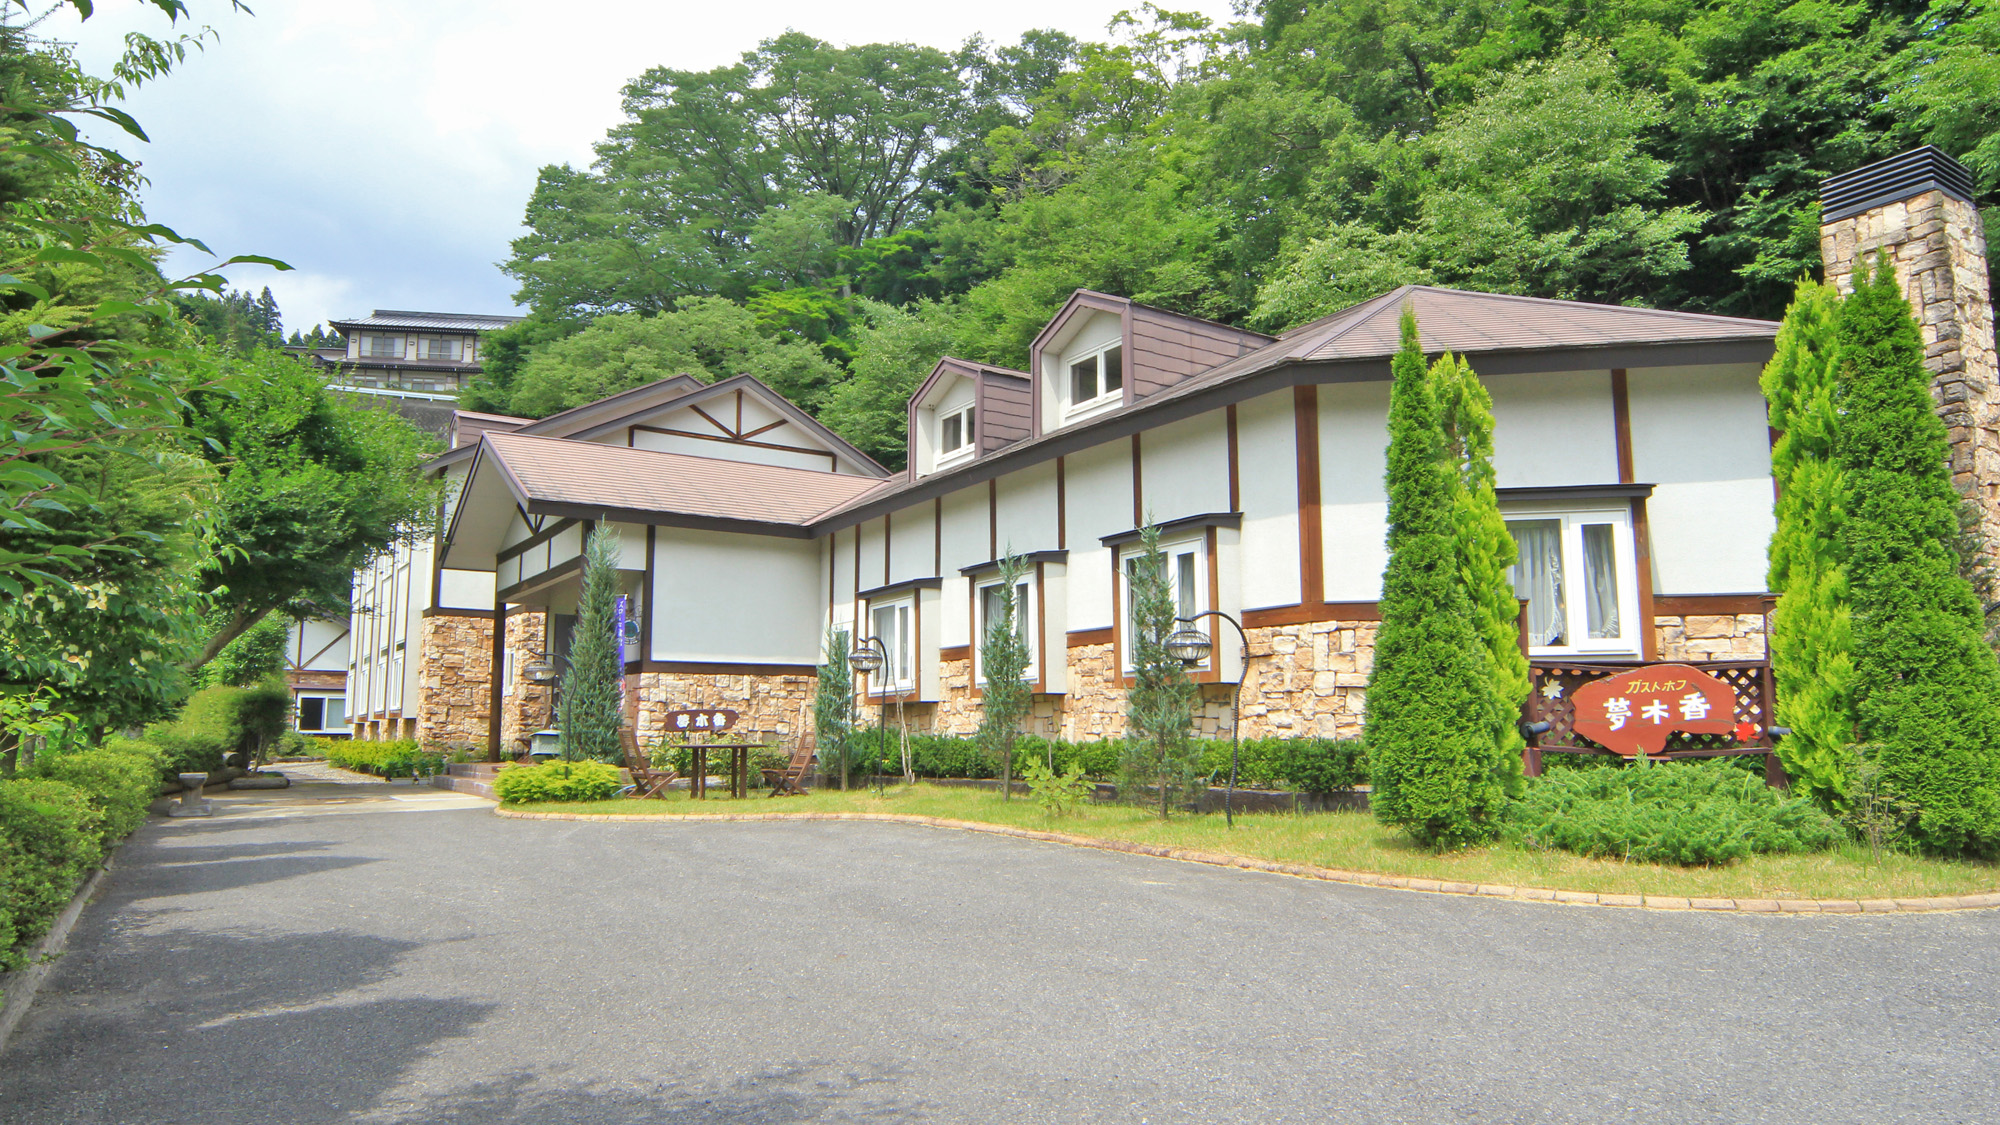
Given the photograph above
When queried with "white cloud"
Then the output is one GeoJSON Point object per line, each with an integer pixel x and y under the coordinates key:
{"type": "Point", "coordinates": [386, 150]}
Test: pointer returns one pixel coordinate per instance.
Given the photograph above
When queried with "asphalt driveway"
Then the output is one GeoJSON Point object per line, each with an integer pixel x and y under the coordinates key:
{"type": "Point", "coordinates": [438, 964]}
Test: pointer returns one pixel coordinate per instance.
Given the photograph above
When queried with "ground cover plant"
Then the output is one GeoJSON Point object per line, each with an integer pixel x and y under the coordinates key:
{"type": "Point", "coordinates": [1356, 841]}
{"type": "Point", "coordinates": [1670, 812]}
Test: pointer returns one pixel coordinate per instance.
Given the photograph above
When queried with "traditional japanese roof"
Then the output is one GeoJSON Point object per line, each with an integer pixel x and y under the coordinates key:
{"type": "Point", "coordinates": [585, 480]}
{"type": "Point", "coordinates": [431, 321]}
{"type": "Point", "coordinates": [1501, 334]}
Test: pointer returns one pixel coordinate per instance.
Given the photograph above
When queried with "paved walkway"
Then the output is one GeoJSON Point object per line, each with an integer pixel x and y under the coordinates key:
{"type": "Point", "coordinates": [383, 960]}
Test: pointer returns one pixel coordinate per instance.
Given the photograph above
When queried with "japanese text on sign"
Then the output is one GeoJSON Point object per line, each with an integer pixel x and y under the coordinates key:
{"type": "Point", "coordinates": [1635, 712]}
{"type": "Point", "coordinates": [700, 721]}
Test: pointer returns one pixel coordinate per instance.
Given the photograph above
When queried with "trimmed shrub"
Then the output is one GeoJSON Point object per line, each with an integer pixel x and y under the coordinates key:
{"type": "Point", "coordinates": [51, 835]}
{"type": "Point", "coordinates": [222, 721]}
{"type": "Point", "coordinates": [557, 781]}
{"type": "Point", "coordinates": [120, 778]}
{"type": "Point", "coordinates": [388, 757]}
{"type": "Point", "coordinates": [1682, 812]}
{"type": "Point", "coordinates": [1324, 765]}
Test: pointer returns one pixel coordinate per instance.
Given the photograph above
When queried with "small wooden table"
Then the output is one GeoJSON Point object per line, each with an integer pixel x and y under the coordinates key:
{"type": "Point", "coordinates": [739, 768]}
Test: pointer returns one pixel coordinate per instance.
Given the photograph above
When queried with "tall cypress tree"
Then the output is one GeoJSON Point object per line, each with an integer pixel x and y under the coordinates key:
{"type": "Point", "coordinates": [1486, 550]}
{"type": "Point", "coordinates": [1927, 687]}
{"type": "Point", "coordinates": [1812, 641]}
{"type": "Point", "coordinates": [1436, 767]}
{"type": "Point", "coordinates": [591, 717]}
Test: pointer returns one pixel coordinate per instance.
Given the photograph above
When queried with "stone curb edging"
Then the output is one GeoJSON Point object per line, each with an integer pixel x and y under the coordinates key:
{"type": "Point", "coordinates": [1334, 874]}
{"type": "Point", "coordinates": [21, 985]}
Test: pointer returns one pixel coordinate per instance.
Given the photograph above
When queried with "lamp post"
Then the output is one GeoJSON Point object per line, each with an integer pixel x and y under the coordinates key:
{"type": "Point", "coordinates": [542, 670]}
{"type": "Point", "coordinates": [869, 655]}
{"type": "Point", "coordinates": [1191, 646]}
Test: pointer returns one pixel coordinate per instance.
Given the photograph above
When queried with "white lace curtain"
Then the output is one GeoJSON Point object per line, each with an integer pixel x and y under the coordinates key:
{"type": "Point", "coordinates": [1538, 577]}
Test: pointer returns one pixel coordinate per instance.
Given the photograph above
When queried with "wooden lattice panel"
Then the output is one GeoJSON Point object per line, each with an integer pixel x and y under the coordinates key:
{"type": "Point", "coordinates": [1749, 679]}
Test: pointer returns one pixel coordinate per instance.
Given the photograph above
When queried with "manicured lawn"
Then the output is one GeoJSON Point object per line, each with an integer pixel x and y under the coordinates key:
{"type": "Point", "coordinates": [1356, 842]}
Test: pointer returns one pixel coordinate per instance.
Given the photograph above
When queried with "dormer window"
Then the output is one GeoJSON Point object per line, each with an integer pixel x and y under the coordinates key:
{"type": "Point", "coordinates": [955, 432]}
{"type": "Point", "coordinates": [1097, 378]}
{"type": "Point", "coordinates": [385, 347]}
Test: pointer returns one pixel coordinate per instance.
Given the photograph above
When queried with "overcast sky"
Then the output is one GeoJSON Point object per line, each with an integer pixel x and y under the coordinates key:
{"type": "Point", "coordinates": [386, 149]}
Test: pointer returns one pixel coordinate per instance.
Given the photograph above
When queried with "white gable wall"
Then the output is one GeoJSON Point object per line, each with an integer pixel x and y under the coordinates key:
{"type": "Point", "coordinates": [1700, 435]}
{"type": "Point", "coordinates": [1551, 429]}
{"type": "Point", "coordinates": [730, 598]}
{"type": "Point", "coordinates": [1268, 471]}
{"type": "Point", "coordinates": [1354, 509]}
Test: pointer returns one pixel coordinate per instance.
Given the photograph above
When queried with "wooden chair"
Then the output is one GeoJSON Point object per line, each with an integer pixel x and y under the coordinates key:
{"type": "Point", "coordinates": [790, 781]}
{"type": "Point", "coordinates": [647, 781]}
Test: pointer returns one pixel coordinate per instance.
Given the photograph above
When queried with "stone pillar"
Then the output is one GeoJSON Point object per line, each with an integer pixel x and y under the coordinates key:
{"type": "Point", "coordinates": [1918, 207]}
{"type": "Point", "coordinates": [453, 678]}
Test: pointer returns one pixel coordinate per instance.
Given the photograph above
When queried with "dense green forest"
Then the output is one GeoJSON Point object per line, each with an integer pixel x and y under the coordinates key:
{"type": "Point", "coordinates": [835, 218]}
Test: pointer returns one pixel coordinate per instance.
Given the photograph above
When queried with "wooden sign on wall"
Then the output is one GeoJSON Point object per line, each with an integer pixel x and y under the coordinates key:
{"type": "Point", "coordinates": [704, 720]}
{"type": "Point", "coordinates": [1635, 711]}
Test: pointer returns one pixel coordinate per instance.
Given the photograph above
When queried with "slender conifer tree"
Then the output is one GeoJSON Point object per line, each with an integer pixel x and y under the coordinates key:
{"type": "Point", "coordinates": [1486, 550]}
{"type": "Point", "coordinates": [1812, 642]}
{"type": "Point", "coordinates": [1927, 687]}
{"type": "Point", "coordinates": [590, 716]}
{"type": "Point", "coordinates": [1437, 768]}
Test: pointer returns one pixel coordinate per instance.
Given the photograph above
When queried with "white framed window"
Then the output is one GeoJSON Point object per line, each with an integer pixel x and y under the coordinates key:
{"type": "Point", "coordinates": [986, 597]}
{"type": "Point", "coordinates": [1097, 379]}
{"type": "Point", "coordinates": [894, 623]}
{"type": "Point", "coordinates": [384, 347]}
{"type": "Point", "coordinates": [320, 714]}
{"type": "Point", "coordinates": [1187, 572]}
{"type": "Point", "coordinates": [955, 434]}
{"type": "Point", "coordinates": [1576, 570]}
{"type": "Point", "coordinates": [438, 347]}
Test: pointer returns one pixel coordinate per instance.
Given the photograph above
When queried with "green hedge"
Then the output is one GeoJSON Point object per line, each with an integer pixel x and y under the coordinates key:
{"type": "Point", "coordinates": [121, 778]}
{"type": "Point", "coordinates": [1309, 765]}
{"type": "Point", "coordinates": [557, 781]}
{"type": "Point", "coordinates": [56, 823]}
{"type": "Point", "coordinates": [1681, 812]}
{"type": "Point", "coordinates": [389, 757]}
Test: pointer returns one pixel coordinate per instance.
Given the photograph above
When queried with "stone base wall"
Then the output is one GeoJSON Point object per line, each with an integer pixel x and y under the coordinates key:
{"type": "Point", "coordinates": [1095, 706]}
{"type": "Point", "coordinates": [1308, 680]}
{"type": "Point", "coordinates": [767, 705]}
{"type": "Point", "coordinates": [527, 706]}
{"type": "Point", "coordinates": [456, 665]}
{"type": "Point", "coordinates": [1937, 247]}
{"type": "Point", "coordinates": [1702, 637]}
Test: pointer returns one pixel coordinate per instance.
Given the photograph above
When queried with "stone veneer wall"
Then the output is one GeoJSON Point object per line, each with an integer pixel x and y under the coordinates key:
{"type": "Point", "coordinates": [768, 704]}
{"type": "Point", "coordinates": [525, 709]}
{"type": "Point", "coordinates": [1938, 250]}
{"type": "Point", "coordinates": [1711, 637]}
{"type": "Point", "coordinates": [456, 656]}
{"type": "Point", "coordinates": [1308, 680]}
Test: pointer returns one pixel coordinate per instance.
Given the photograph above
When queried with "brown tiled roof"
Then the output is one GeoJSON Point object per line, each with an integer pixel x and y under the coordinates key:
{"type": "Point", "coordinates": [1458, 320]}
{"type": "Point", "coordinates": [1505, 330]}
{"type": "Point", "coordinates": [619, 480]}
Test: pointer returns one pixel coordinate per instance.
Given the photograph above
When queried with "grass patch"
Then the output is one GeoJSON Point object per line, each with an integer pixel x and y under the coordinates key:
{"type": "Point", "coordinates": [1357, 842]}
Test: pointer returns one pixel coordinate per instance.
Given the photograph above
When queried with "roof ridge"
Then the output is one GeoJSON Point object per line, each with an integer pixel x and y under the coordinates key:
{"type": "Point", "coordinates": [1647, 309]}
{"type": "Point", "coordinates": [620, 450]}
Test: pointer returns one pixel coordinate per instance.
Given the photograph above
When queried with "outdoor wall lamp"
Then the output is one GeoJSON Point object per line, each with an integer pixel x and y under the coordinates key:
{"type": "Point", "coordinates": [1191, 646]}
{"type": "Point", "coordinates": [541, 670]}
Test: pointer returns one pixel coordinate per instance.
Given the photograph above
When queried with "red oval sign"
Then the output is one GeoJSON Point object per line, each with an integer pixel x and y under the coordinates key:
{"type": "Point", "coordinates": [1635, 711]}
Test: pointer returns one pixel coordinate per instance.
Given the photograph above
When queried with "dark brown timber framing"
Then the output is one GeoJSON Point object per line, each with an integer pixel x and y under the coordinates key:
{"type": "Point", "coordinates": [1312, 566]}
{"type": "Point", "coordinates": [1642, 537]}
{"type": "Point", "coordinates": [1235, 477]}
{"type": "Point", "coordinates": [1138, 484]}
{"type": "Point", "coordinates": [1176, 405]}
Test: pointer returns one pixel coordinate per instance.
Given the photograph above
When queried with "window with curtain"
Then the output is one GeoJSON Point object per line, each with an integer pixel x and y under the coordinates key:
{"type": "Point", "coordinates": [989, 611]}
{"type": "Point", "coordinates": [1187, 572]}
{"type": "Point", "coordinates": [1575, 571]}
{"type": "Point", "coordinates": [893, 626]}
